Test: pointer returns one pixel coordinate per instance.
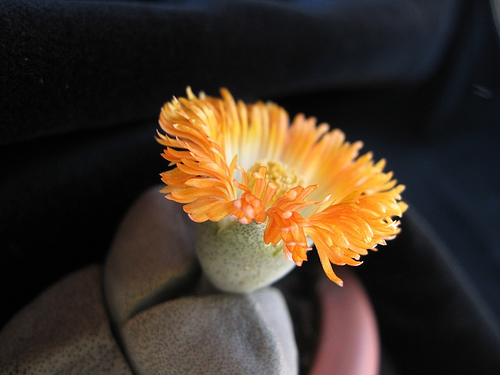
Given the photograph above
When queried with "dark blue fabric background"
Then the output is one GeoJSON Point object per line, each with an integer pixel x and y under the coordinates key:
{"type": "Point", "coordinates": [81, 84]}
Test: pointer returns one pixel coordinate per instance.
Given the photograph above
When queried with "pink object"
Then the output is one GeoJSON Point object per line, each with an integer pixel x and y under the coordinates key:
{"type": "Point", "coordinates": [349, 341]}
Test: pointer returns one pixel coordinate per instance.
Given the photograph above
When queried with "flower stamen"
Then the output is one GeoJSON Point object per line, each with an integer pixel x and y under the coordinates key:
{"type": "Point", "coordinates": [277, 172]}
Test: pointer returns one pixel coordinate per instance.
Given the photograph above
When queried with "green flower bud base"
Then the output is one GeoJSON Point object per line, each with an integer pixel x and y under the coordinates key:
{"type": "Point", "coordinates": [235, 258]}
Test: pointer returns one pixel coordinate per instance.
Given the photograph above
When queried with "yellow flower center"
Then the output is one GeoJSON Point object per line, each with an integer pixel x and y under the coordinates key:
{"type": "Point", "coordinates": [281, 174]}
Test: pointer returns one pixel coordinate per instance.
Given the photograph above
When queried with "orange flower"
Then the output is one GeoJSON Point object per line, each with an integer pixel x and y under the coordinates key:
{"type": "Point", "coordinates": [304, 181]}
